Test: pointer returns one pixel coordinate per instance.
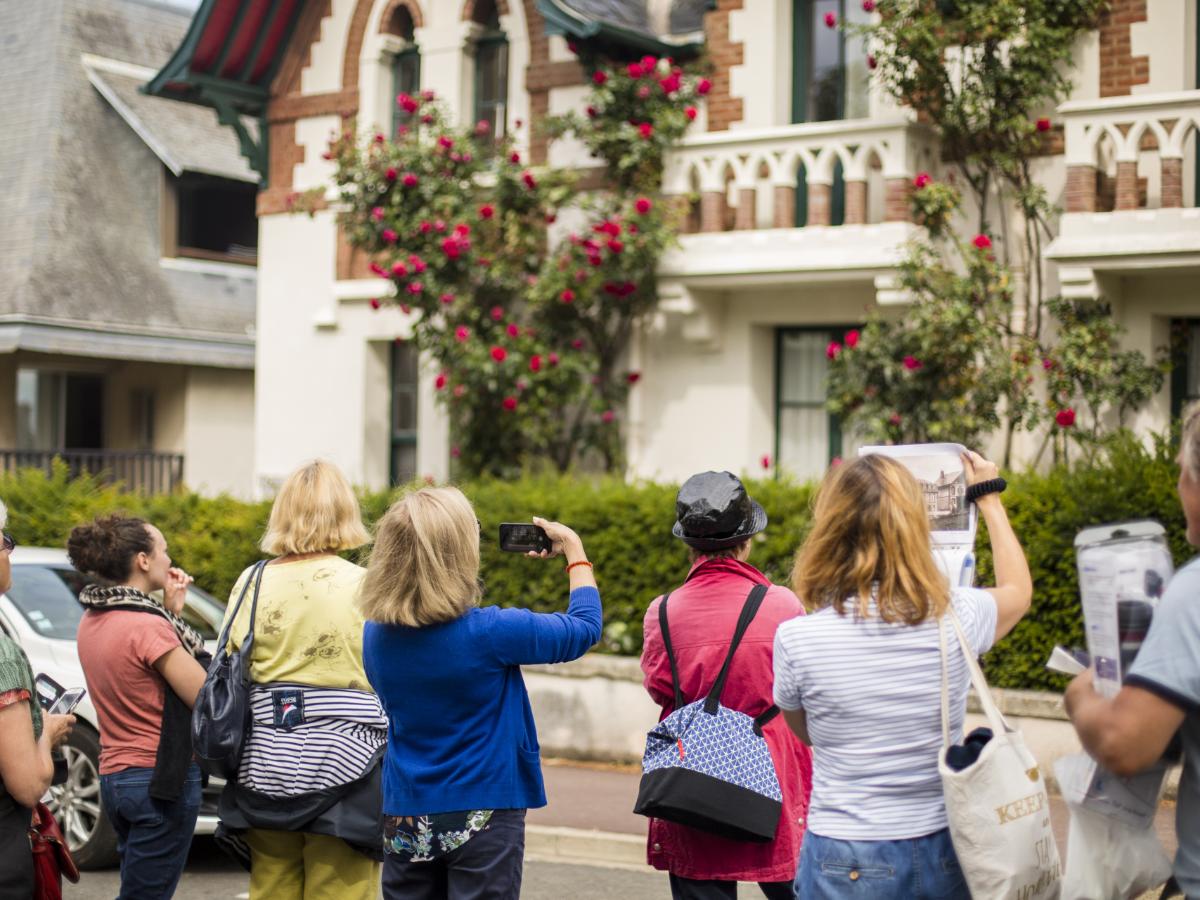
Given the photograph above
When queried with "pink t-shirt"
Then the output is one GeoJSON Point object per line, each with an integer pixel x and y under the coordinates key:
{"type": "Point", "coordinates": [118, 649]}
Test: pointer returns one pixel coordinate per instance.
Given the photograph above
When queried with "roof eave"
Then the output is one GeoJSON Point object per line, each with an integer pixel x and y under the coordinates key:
{"type": "Point", "coordinates": [562, 20]}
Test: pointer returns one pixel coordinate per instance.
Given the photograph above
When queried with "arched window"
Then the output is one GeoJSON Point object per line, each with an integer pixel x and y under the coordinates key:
{"type": "Point", "coordinates": [406, 64]}
{"type": "Point", "coordinates": [491, 68]}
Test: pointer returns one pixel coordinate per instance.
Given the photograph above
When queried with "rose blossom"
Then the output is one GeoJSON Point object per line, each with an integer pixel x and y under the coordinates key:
{"type": "Point", "coordinates": [982, 241]}
{"type": "Point", "coordinates": [447, 299]}
{"type": "Point", "coordinates": [577, 344]}
{"type": "Point", "coordinates": [487, 210]}
{"type": "Point", "coordinates": [499, 354]}
{"type": "Point", "coordinates": [414, 288]}
{"type": "Point", "coordinates": [912, 363]}
{"type": "Point", "coordinates": [1065, 417]}
{"type": "Point", "coordinates": [832, 350]}
{"type": "Point", "coordinates": [410, 180]}
{"type": "Point", "coordinates": [461, 333]}
{"type": "Point", "coordinates": [509, 403]}
{"type": "Point", "coordinates": [513, 331]}
{"type": "Point", "coordinates": [535, 363]}
{"type": "Point", "coordinates": [599, 77]}
{"type": "Point", "coordinates": [399, 270]}
{"type": "Point", "coordinates": [643, 205]}
{"type": "Point", "coordinates": [377, 213]}
{"type": "Point", "coordinates": [871, 61]}
{"type": "Point", "coordinates": [703, 86]}
{"type": "Point", "coordinates": [375, 304]}
{"type": "Point", "coordinates": [440, 381]}
{"type": "Point", "coordinates": [633, 70]}
{"type": "Point", "coordinates": [389, 236]}
{"type": "Point", "coordinates": [497, 313]}
{"type": "Point", "coordinates": [646, 129]}
{"type": "Point", "coordinates": [1047, 364]}
{"type": "Point", "coordinates": [765, 462]}
{"type": "Point", "coordinates": [607, 416]}
{"type": "Point", "coordinates": [868, 6]}
{"type": "Point", "coordinates": [894, 419]}
{"type": "Point", "coordinates": [567, 296]}
{"type": "Point", "coordinates": [690, 112]}
{"type": "Point", "coordinates": [922, 180]}
{"type": "Point", "coordinates": [1043, 124]}
{"type": "Point", "coordinates": [459, 390]}
{"type": "Point", "coordinates": [852, 338]}
{"type": "Point", "coordinates": [633, 377]}
{"type": "Point", "coordinates": [530, 181]}
{"type": "Point", "coordinates": [390, 174]}
{"type": "Point", "coordinates": [552, 359]}
{"type": "Point", "coordinates": [830, 20]}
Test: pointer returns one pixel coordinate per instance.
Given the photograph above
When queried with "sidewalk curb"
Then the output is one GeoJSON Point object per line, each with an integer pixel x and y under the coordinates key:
{"type": "Point", "coordinates": [580, 846]}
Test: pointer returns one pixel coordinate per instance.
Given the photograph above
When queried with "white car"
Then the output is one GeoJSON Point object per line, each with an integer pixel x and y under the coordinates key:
{"type": "Point", "coordinates": [41, 612]}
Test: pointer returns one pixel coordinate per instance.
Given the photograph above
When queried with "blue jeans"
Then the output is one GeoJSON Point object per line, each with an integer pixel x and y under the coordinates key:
{"type": "Point", "coordinates": [923, 868]}
{"type": "Point", "coordinates": [153, 837]}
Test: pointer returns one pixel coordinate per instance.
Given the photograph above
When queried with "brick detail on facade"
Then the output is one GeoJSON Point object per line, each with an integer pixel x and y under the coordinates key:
{"type": "Point", "coordinates": [1127, 186]}
{"type": "Point", "coordinates": [541, 76]}
{"type": "Point", "coordinates": [352, 263]}
{"type": "Point", "coordinates": [895, 200]}
{"type": "Point", "coordinates": [784, 215]}
{"type": "Point", "coordinates": [1081, 189]}
{"type": "Point", "coordinates": [856, 203]}
{"type": "Point", "coordinates": [723, 107]}
{"type": "Point", "coordinates": [414, 13]}
{"type": "Point", "coordinates": [1172, 183]}
{"type": "Point", "coordinates": [746, 213]}
{"type": "Point", "coordinates": [468, 10]}
{"type": "Point", "coordinates": [712, 211]}
{"type": "Point", "coordinates": [820, 204]}
{"type": "Point", "coordinates": [1120, 70]}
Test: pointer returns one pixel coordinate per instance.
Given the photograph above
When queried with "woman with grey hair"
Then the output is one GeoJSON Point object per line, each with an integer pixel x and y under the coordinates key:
{"type": "Point", "coordinates": [27, 735]}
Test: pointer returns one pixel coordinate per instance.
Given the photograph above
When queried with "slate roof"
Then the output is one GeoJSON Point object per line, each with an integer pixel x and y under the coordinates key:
{"type": "Point", "coordinates": [669, 23]}
{"type": "Point", "coordinates": [79, 214]}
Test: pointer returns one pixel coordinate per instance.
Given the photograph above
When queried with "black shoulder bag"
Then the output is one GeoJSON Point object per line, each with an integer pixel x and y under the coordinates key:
{"type": "Point", "coordinates": [221, 714]}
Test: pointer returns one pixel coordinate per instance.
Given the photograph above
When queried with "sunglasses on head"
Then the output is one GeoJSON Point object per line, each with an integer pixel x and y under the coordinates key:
{"type": "Point", "coordinates": [9, 543]}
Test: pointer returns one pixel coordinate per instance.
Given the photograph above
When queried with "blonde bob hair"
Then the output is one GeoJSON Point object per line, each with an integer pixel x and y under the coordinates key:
{"type": "Point", "coordinates": [314, 511]}
{"type": "Point", "coordinates": [424, 567]}
{"type": "Point", "coordinates": [870, 537]}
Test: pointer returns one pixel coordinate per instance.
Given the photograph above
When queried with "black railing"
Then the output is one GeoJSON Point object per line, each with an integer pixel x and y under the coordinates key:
{"type": "Point", "coordinates": [134, 470]}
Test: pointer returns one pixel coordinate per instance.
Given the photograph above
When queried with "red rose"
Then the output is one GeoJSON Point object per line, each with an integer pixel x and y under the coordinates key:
{"type": "Point", "coordinates": [535, 363]}
{"type": "Point", "coordinates": [852, 339]}
{"type": "Point", "coordinates": [390, 174]}
{"type": "Point", "coordinates": [607, 416]}
{"type": "Point", "coordinates": [410, 180]}
{"type": "Point", "coordinates": [1043, 124]}
{"type": "Point", "coordinates": [375, 304]}
{"type": "Point", "coordinates": [646, 129]}
{"type": "Point", "coordinates": [482, 127]}
{"type": "Point", "coordinates": [417, 263]}
{"type": "Point", "coordinates": [459, 390]}
{"type": "Point", "coordinates": [591, 112]}
{"type": "Point", "coordinates": [455, 452]}
{"type": "Point", "coordinates": [379, 270]}
{"type": "Point", "coordinates": [445, 142]}
{"type": "Point", "coordinates": [1047, 364]}
{"type": "Point", "coordinates": [633, 377]}
{"type": "Point", "coordinates": [871, 61]}
{"type": "Point", "coordinates": [513, 331]}
{"type": "Point", "coordinates": [615, 246]}
{"type": "Point", "coordinates": [425, 227]}
{"type": "Point", "coordinates": [690, 112]}
{"type": "Point", "coordinates": [868, 6]}
{"type": "Point", "coordinates": [499, 354]}
{"type": "Point", "coordinates": [515, 158]}
{"type": "Point", "coordinates": [440, 381]}
{"type": "Point", "coordinates": [407, 103]}
{"type": "Point", "coordinates": [405, 308]}
{"type": "Point", "coordinates": [595, 260]}
{"type": "Point", "coordinates": [389, 236]}
{"type": "Point", "coordinates": [1065, 417]}
{"type": "Point", "coordinates": [450, 248]}
{"type": "Point", "coordinates": [643, 92]}
{"type": "Point", "coordinates": [765, 462]}
{"type": "Point", "coordinates": [912, 363]}
{"type": "Point", "coordinates": [830, 20]}
{"type": "Point", "coordinates": [552, 359]}
{"type": "Point", "coordinates": [832, 350]}
{"type": "Point", "coordinates": [414, 288]}
{"type": "Point", "coordinates": [378, 138]}
{"type": "Point", "coordinates": [611, 287]}
{"type": "Point", "coordinates": [598, 77]}
{"type": "Point", "coordinates": [509, 403]}
{"type": "Point", "coordinates": [447, 299]}
{"type": "Point", "coordinates": [577, 344]}
{"type": "Point", "coordinates": [530, 181]}
{"type": "Point", "coordinates": [649, 63]}
{"type": "Point", "coordinates": [627, 288]}
{"type": "Point", "coordinates": [633, 70]}
{"type": "Point", "coordinates": [982, 241]}
{"type": "Point", "coordinates": [643, 205]}
{"type": "Point", "coordinates": [377, 213]}
{"type": "Point", "coordinates": [461, 333]}
{"type": "Point", "coordinates": [399, 270]}
{"type": "Point", "coordinates": [461, 230]}
{"type": "Point", "coordinates": [894, 419]}
{"type": "Point", "coordinates": [922, 180]}
{"type": "Point", "coordinates": [439, 226]}
{"type": "Point", "coordinates": [487, 210]}
{"type": "Point", "coordinates": [567, 296]}
{"type": "Point", "coordinates": [703, 86]}
{"type": "Point", "coordinates": [497, 313]}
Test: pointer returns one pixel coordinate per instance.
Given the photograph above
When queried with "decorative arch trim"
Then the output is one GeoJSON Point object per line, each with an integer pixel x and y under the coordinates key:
{"type": "Point", "coordinates": [468, 10]}
{"type": "Point", "coordinates": [413, 8]}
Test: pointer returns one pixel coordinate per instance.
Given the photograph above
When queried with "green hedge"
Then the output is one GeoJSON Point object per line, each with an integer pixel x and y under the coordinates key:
{"type": "Point", "coordinates": [627, 531]}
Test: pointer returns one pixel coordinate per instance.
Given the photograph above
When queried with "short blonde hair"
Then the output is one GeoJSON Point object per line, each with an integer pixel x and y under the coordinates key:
{"type": "Point", "coordinates": [315, 510]}
{"type": "Point", "coordinates": [424, 567]}
{"type": "Point", "coordinates": [870, 537]}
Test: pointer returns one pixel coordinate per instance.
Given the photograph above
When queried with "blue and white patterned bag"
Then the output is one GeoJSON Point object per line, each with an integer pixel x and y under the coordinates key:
{"type": "Point", "coordinates": [708, 766]}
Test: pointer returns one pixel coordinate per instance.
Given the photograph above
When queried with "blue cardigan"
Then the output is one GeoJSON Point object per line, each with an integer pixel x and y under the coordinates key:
{"type": "Point", "coordinates": [460, 730]}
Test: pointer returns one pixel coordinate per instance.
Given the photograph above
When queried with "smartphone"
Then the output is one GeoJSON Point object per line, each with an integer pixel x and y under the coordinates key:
{"type": "Point", "coordinates": [67, 702]}
{"type": "Point", "coordinates": [48, 691]}
{"type": "Point", "coordinates": [521, 537]}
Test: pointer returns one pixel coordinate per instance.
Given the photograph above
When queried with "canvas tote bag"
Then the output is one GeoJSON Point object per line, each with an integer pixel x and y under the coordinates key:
{"type": "Point", "coordinates": [998, 808]}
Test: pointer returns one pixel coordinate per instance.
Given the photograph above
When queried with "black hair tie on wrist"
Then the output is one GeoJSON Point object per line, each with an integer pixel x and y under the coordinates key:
{"type": "Point", "coordinates": [982, 488]}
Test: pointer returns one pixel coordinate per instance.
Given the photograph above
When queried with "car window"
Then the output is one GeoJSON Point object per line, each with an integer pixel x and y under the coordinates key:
{"type": "Point", "coordinates": [48, 598]}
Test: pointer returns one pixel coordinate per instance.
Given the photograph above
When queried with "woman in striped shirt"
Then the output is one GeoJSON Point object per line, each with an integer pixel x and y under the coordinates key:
{"type": "Point", "coordinates": [860, 679]}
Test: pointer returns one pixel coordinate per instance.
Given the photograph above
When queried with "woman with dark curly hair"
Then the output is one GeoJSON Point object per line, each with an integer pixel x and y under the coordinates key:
{"type": "Point", "coordinates": [144, 666]}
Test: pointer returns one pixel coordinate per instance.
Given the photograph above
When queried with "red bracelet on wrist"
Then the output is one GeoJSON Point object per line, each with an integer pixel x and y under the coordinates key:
{"type": "Point", "coordinates": [582, 562]}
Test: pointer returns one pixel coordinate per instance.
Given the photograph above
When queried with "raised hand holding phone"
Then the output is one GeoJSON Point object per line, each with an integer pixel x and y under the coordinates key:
{"type": "Point", "coordinates": [566, 543]}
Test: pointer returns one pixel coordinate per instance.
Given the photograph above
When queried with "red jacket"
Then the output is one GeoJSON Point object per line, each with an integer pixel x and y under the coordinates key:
{"type": "Point", "coordinates": [703, 613]}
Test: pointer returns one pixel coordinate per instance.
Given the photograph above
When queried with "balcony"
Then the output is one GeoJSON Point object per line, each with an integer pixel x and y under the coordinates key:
{"type": "Point", "coordinates": [1130, 193]}
{"type": "Point", "coordinates": [133, 470]}
{"type": "Point", "coordinates": [818, 201]}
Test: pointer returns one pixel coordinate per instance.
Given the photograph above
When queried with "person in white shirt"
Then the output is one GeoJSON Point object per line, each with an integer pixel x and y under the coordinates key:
{"type": "Point", "coordinates": [859, 679]}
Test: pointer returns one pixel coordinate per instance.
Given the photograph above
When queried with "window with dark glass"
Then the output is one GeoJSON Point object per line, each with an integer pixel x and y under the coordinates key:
{"type": "Point", "coordinates": [1185, 372]}
{"type": "Point", "coordinates": [404, 413]}
{"type": "Point", "coordinates": [215, 219]}
{"type": "Point", "coordinates": [406, 65]}
{"type": "Point", "coordinates": [59, 410]}
{"type": "Point", "coordinates": [807, 437]}
{"type": "Point", "coordinates": [491, 69]}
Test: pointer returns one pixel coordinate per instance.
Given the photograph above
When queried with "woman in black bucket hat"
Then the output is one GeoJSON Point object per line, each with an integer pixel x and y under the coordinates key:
{"type": "Point", "coordinates": [716, 519]}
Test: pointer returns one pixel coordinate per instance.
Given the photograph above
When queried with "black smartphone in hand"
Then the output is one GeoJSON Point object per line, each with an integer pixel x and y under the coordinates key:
{"type": "Point", "coordinates": [523, 537]}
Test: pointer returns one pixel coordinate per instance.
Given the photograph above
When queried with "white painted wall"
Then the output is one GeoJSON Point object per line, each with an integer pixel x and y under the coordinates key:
{"type": "Point", "coordinates": [218, 431]}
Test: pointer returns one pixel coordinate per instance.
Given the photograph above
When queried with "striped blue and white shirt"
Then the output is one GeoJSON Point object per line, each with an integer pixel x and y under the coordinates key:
{"type": "Point", "coordinates": [871, 692]}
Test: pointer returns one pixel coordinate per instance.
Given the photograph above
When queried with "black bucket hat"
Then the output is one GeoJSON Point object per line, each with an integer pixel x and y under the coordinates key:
{"type": "Point", "coordinates": [714, 512]}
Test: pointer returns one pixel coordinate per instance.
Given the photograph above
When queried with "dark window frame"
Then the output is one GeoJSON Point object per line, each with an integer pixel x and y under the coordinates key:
{"type": "Point", "coordinates": [409, 56]}
{"type": "Point", "coordinates": [494, 110]}
{"type": "Point", "coordinates": [836, 332]}
{"type": "Point", "coordinates": [1183, 331]}
{"type": "Point", "coordinates": [401, 436]}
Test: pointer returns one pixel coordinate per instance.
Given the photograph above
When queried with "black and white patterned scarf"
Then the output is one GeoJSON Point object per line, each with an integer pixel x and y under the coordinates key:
{"type": "Point", "coordinates": [121, 597]}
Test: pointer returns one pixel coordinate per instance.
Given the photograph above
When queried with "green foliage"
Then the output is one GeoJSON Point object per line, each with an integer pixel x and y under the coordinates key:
{"type": "Point", "coordinates": [627, 532]}
{"type": "Point", "coordinates": [527, 330]}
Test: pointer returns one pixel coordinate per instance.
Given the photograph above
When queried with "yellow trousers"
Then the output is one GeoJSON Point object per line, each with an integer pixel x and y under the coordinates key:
{"type": "Point", "coordinates": [287, 865]}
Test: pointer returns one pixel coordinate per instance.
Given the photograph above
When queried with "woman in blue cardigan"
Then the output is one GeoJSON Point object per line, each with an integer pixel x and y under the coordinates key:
{"type": "Point", "coordinates": [462, 760]}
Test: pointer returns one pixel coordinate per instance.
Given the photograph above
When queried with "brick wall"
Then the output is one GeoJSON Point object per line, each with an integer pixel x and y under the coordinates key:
{"type": "Point", "coordinates": [1120, 70]}
{"type": "Point", "coordinates": [723, 108]}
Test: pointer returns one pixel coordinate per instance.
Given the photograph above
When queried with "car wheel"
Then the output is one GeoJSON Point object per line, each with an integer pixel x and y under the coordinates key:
{"type": "Point", "coordinates": [76, 803]}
